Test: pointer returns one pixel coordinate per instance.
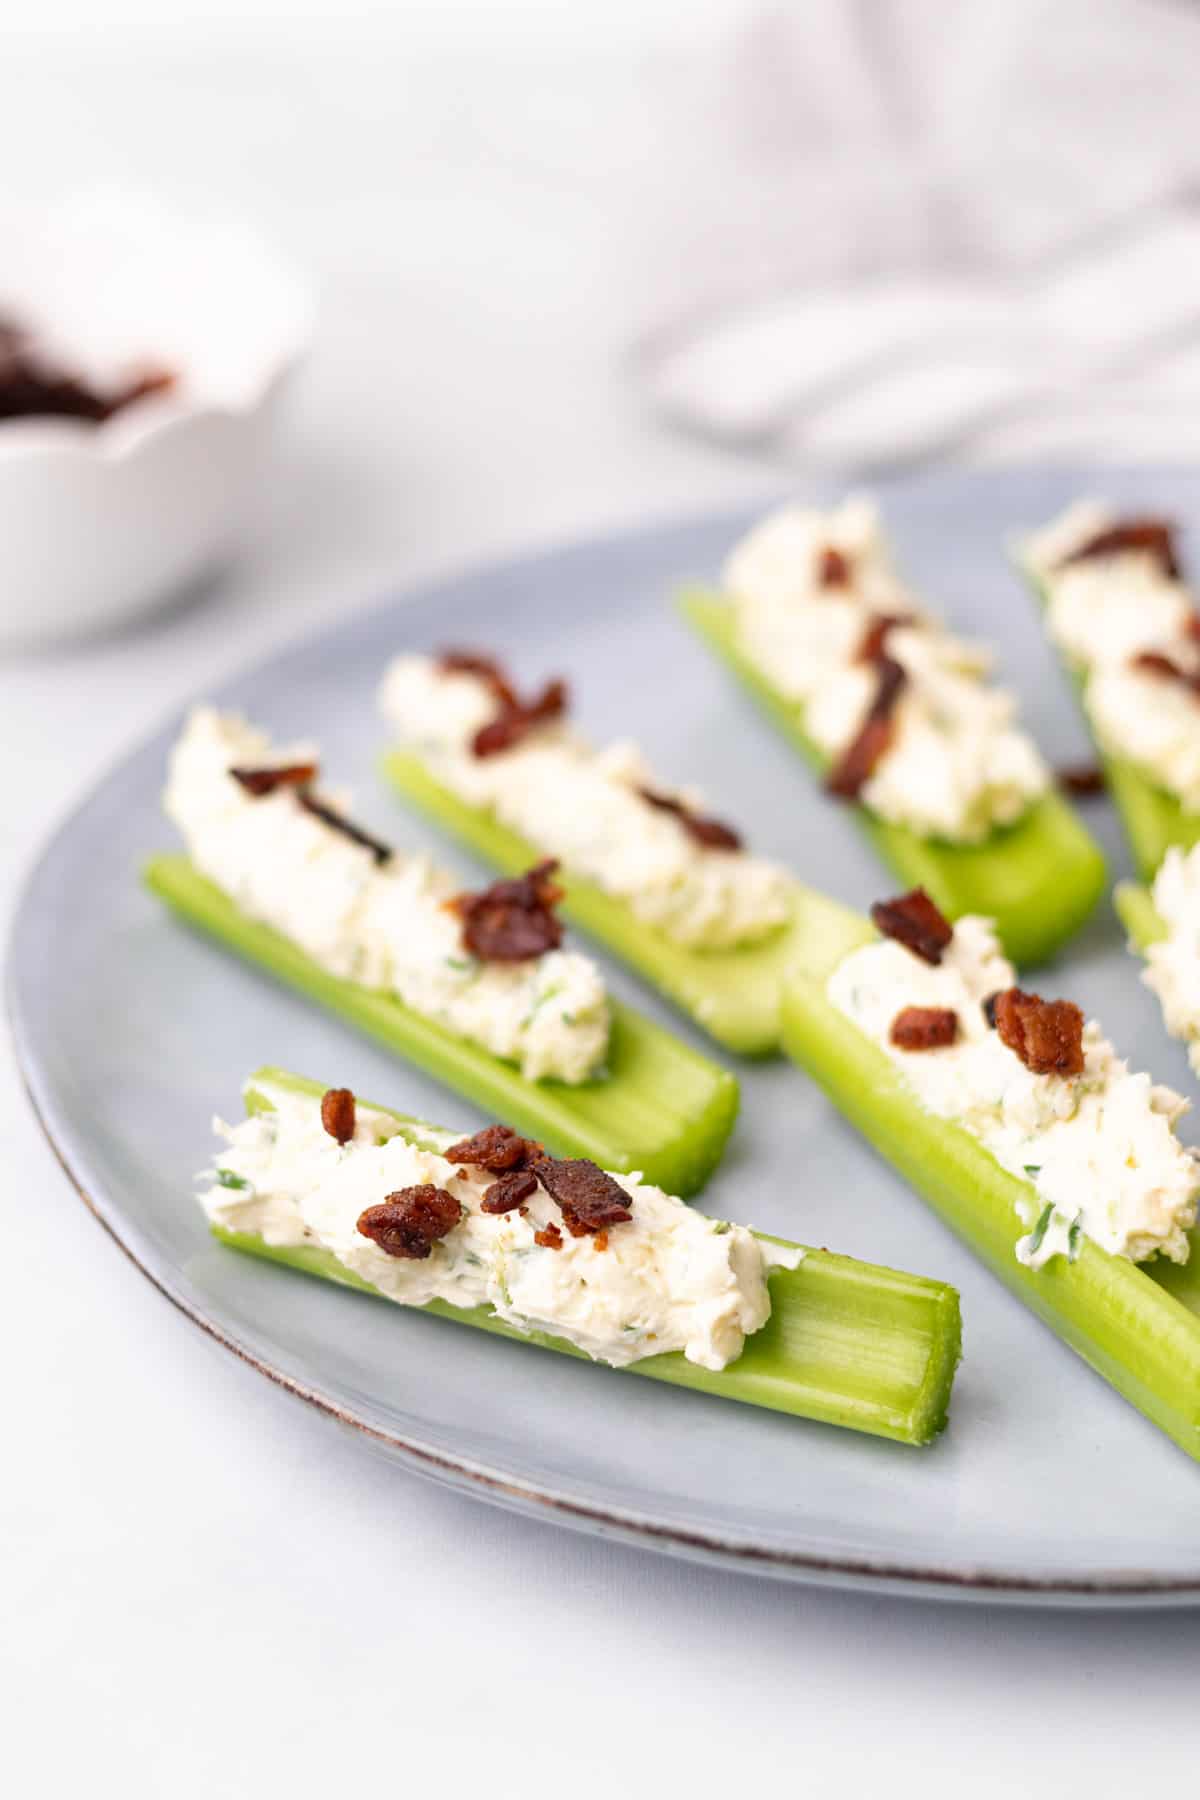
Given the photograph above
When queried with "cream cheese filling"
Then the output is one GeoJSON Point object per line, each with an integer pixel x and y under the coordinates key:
{"type": "Point", "coordinates": [1099, 1149]}
{"type": "Point", "coordinates": [667, 1279]}
{"type": "Point", "coordinates": [386, 926]}
{"type": "Point", "coordinates": [958, 766]}
{"type": "Point", "coordinates": [584, 807]}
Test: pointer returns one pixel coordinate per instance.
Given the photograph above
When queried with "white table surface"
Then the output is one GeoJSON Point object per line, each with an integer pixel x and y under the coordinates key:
{"type": "Point", "coordinates": [206, 1590]}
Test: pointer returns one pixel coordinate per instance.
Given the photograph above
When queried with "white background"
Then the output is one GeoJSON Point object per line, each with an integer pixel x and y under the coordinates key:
{"type": "Point", "coordinates": [205, 1590]}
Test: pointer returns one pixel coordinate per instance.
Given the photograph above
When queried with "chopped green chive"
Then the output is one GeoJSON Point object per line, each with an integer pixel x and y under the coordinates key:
{"type": "Point", "coordinates": [1040, 1229]}
{"type": "Point", "coordinates": [1074, 1240]}
{"type": "Point", "coordinates": [227, 1178]}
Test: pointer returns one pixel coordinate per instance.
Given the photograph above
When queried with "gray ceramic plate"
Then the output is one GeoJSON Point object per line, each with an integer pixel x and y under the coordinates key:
{"type": "Point", "coordinates": [1046, 1487]}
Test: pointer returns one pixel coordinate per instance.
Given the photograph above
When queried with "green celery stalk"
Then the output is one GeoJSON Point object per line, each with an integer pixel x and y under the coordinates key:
{"type": "Point", "coordinates": [1039, 878]}
{"type": "Point", "coordinates": [847, 1343]}
{"type": "Point", "coordinates": [1138, 1326]}
{"type": "Point", "coordinates": [732, 994]}
{"type": "Point", "coordinates": [1138, 913]}
{"type": "Point", "coordinates": [660, 1108]}
{"type": "Point", "coordinates": [1152, 818]}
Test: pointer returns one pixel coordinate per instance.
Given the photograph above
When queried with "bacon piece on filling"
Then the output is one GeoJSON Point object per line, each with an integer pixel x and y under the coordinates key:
{"type": "Point", "coordinates": [516, 720]}
{"type": "Point", "coordinates": [914, 921]}
{"type": "Point", "coordinates": [588, 1198]}
{"type": "Point", "coordinates": [509, 1192]}
{"type": "Point", "coordinates": [879, 628]}
{"type": "Point", "coordinates": [512, 921]}
{"type": "Point", "coordinates": [1047, 1035]}
{"type": "Point", "coordinates": [265, 781]}
{"type": "Point", "coordinates": [710, 833]}
{"type": "Point", "coordinates": [338, 1113]}
{"type": "Point", "coordinates": [856, 764]}
{"type": "Point", "coordinates": [1155, 536]}
{"type": "Point", "coordinates": [1153, 662]}
{"type": "Point", "coordinates": [924, 1028]}
{"type": "Point", "coordinates": [834, 568]}
{"type": "Point", "coordinates": [495, 1148]}
{"type": "Point", "coordinates": [484, 668]}
{"type": "Point", "coordinates": [411, 1221]}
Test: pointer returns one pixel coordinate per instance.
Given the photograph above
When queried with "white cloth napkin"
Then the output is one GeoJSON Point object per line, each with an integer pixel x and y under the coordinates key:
{"type": "Point", "coordinates": [892, 229]}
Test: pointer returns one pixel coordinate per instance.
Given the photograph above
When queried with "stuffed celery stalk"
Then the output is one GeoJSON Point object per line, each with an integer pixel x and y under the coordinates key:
{"type": "Point", "coordinates": [645, 867]}
{"type": "Point", "coordinates": [477, 989]}
{"type": "Point", "coordinates": [1017, 1121]}
{"type": "Point", "coordinates": [1120, 616]}
{"type": "Point", "coordinates": [896, 715]}
{"type": "Point", "coordinates": [492, 1232]}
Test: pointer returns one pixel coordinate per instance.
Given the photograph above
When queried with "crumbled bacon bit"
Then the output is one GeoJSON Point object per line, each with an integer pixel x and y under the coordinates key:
{"type": "Point", "coordinates": [708, 832]}
{"type": "Point", "coordinates": [1047, 1035]}
{"type": "Point", "coordinates": [989, 1009]}
{"type": "Point", "coordinates": [1154, 536]}
{"type": "Point", "coordinates": [33, 385]}
{"type": "Point", "coordinates": [834, 568]}
{"type": "Point", "coordinates": [507, 1194]}
{"type": "Point", "coordinates": [1153, 662]}
{"type": "Point", "coordinates": [1084, 781]}
{"type": "Point", "coordinates": [600, 1241]}
{"type": "Point", "coordinates": [924, 1028]}
{"type": "Point", "coordinates": [495, 1148]}
{"type": "Point", "coordinates": [875, 637]}
{"type": "Point", "coordinates": [484, 668]}
{"type": "Point", "coordinates": [517, 718]}
{"type": "Point", "coordinates": [513, 921]}
{"type": "Point", "coordinates": [265, 781]}
{"type": "Point", "coordinates": [338, 822]}
{"type": "Point", "coordinates": [588, 1198]}
{"type": "Point", "coordinates": [914, 921]}
{"type": "Point", "coordinates": [549, 1237]}
{"type": "Point", "coordinates": [855, 765]}
{"type": "Point", "coordinates": [1191, 627]}
{"type": "Point", "coordinates": [338, 1113]}
{"type": "Point", "coordinates": [411, 1221]}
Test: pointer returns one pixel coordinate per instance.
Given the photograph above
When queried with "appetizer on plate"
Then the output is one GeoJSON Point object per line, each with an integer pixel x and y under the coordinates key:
{"type": "Point", "coordinates": [491, 1231]}
{"type": "Point", "coordinates": [477, 988]}
{"type": "Point", "coordinates": [1118, 612]}
{"type": "Point", "coordinates": [1018, 1122]}
{"type": "Point", "coordinates": [898, 716]}
{"type": "Point", "coordinates": [644, 866]}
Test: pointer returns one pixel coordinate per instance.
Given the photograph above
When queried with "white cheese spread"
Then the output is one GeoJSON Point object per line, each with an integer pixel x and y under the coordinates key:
{"type": "Point", "coordinates": [957, 766]}
{"type": "Point", "coordinates": [386, 926]}
{"type": "Point", "coordinates": [1173, 964]}
{"type": "Point", "coordinates": [1099, 1149]}
{"type": "Point", "coordinates": [584, 807]}
{"type": "Point", "coordinates": [667, 1279]}
{"type": "Point", "coordinates": [1101, 613]}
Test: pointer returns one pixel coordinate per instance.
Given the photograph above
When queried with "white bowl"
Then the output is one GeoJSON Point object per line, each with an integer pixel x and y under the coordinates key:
{"type": "Point", "coordinates": [102, 522]}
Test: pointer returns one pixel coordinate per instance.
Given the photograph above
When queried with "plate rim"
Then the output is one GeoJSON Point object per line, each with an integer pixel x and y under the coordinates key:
{"type": "Point", "coordinates": [896, 1576]}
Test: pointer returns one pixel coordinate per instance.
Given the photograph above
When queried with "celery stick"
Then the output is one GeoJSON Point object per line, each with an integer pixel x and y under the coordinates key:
{"type": "Point", "coordinates": [1152, 818]}
{"type": "Point", "coordinates": [1139, 1327]}
{"type": "Point", "coordinates": [661, 1108]}
{"type": "Point", "coordinates": [1039, 879]}
{"type": "Point", "coordinates": [731, 994]}
{"type": "Point", "coordinates": [847, 1343]}
{"type": "Point", "coordinates": [1138, 913]}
